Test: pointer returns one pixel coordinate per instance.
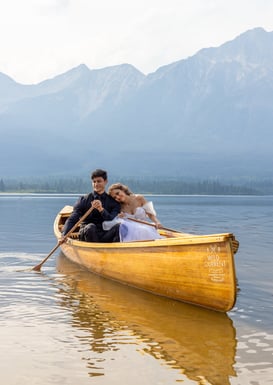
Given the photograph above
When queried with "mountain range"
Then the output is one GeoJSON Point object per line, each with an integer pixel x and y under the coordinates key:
{"type": "Point", "coordinates": [209, 115]}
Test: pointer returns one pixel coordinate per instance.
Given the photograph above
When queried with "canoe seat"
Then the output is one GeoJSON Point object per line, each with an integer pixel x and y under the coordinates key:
{"type": "Point", "coordinates": [235, 245]}
{"type": "Point", "coordinates": [74, 235]}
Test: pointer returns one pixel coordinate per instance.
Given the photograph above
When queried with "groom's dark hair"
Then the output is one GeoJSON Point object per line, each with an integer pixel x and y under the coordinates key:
{"type": "Point", "coordinates": [99, 172]}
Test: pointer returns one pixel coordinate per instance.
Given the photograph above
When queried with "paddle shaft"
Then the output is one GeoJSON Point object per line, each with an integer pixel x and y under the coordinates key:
{"type": "Point", "coordinates": [38, 267]}
{"type": "Point", "coordinates": [152, 224]}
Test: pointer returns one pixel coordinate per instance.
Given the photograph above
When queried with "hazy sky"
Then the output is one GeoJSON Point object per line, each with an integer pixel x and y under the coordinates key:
{"type": "Point", "coordinates": [40, 39]}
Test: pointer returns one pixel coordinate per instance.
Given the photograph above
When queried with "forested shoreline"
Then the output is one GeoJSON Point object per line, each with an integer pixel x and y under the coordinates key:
{"type": "Point", "coordinates": [80, 185]}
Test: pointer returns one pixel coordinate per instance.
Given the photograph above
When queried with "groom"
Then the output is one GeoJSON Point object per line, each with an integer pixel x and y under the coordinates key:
{"type": "Point", "coordinates": [105, 208]}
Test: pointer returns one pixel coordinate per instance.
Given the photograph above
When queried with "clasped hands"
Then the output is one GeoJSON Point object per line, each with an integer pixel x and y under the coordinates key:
{"type": "Point", "coordinates": [96, 204]}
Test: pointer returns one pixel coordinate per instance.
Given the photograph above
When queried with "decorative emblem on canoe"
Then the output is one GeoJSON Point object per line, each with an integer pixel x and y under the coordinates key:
{"type": "Point", "coordinates": [215, 264]}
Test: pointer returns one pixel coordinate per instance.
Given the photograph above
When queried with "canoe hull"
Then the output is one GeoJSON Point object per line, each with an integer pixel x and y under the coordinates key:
{"type": "Point", "coordinates": [194, 269]}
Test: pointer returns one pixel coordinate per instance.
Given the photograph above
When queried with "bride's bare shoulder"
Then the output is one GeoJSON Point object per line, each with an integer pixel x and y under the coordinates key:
{"type": "Point", "coordinates": [140, 199]}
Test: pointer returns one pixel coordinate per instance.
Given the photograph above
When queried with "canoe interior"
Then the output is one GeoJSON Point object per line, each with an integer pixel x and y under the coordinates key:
{"type": "Point", "coordinates": [67, 210]}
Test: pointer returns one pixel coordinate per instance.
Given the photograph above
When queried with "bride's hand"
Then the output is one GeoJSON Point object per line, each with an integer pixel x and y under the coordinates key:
{"type": "Point", "coordinates": [158, 225]}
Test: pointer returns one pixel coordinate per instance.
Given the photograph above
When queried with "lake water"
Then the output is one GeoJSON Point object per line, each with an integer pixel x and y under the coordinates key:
{"type": "Point", "coordinates": [66, 326]}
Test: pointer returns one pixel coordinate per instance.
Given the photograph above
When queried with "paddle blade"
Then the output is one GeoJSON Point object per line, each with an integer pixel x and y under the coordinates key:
{"type": "Point", "coordinates": [38, 267]}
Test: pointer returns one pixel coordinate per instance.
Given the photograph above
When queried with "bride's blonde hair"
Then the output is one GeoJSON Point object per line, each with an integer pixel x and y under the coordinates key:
{"type": "Point", "coordinates": [119, 186]}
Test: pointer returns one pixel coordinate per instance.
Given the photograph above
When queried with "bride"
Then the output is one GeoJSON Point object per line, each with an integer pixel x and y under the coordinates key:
{"type": "Point", "coordinates": [136, 207]}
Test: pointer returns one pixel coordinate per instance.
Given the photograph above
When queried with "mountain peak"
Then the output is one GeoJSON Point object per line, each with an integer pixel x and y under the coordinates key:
{"type": "Point", "coordinates": [253, 47]}
{"type": "Point", "coordinates": [79, 70]}
{"type": "Point", "coordinates": [257, 32]}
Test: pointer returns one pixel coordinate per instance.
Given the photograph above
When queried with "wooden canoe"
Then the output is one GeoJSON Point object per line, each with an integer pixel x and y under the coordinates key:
{"type": "Point", "coordinates": [197, 269]}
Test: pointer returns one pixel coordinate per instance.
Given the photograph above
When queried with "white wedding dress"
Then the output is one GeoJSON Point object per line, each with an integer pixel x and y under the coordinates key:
{"type": "Point", "coordinates": [130, 231]}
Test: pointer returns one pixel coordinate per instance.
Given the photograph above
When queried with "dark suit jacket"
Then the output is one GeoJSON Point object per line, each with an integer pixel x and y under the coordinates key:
{"type": "Point", "coordinates": [111, 210]}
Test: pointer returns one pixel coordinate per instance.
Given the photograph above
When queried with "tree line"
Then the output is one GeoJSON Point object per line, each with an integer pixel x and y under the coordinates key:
{"type": "Point", "coordinates": [79, 185]}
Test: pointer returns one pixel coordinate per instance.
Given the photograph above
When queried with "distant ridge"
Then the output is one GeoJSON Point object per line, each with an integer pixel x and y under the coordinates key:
{"type": "Point", "coordinates": [206, 116]}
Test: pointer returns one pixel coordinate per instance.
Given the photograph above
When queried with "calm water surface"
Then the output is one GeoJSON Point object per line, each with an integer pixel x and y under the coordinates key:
{"type": "Point", "coordinates": [67, 326]}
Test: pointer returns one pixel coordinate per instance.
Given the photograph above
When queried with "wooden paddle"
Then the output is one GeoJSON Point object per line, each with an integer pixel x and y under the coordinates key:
{"type": "Point", "coordinates": [38, 267]}
{"type": "Point", "coordinates": [152, 224]}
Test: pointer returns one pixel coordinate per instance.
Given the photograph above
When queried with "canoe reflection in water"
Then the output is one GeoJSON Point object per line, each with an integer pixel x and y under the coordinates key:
{"type": "Point", "coordinates": [200, 343]}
